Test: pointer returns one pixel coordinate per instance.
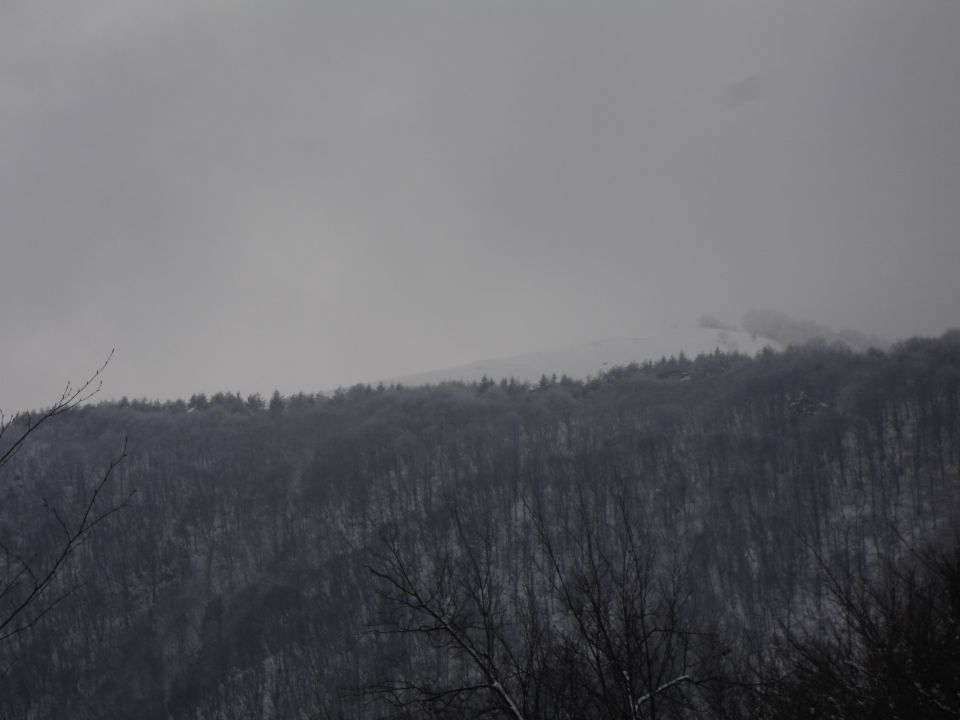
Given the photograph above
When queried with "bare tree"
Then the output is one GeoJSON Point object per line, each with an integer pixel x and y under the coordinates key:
{"type": "Point", "coordinates": [455, 601]}
{"type": "Point", "coordinates": [597, 627]}
{"type": "Point", "coordinates": [28, 574]}
{"type": "Point", "coordinates": [23, 424]}
{"type": "Point", "coordinates": [631, 647]}
{"type": "Point", "coordinates": [887, 647]}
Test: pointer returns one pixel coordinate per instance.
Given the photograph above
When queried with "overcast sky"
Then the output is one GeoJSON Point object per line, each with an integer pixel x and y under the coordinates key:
{"type": "Point", "coordinates": [245, 196]}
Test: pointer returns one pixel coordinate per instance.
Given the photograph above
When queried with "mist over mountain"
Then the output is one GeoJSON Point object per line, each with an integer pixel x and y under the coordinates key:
{"type": "Point", "coordinates": [790, 331]}
{"type": "Point", "coordinates": [590, 359]}
{"type": "Point", "coordinates": [248, 196]}
{"type": "Point", "coordinates": [759, 329]}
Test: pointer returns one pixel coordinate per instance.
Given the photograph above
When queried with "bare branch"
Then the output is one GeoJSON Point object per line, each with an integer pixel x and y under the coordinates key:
{"type": "Point", "coordinates": [70, 398]}
{"type": "Point", "coordinates": [12, 621]}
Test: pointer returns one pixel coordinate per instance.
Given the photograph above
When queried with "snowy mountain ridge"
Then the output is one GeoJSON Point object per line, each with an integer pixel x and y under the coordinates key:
{"type": "Point", "coordinates": [581, 361]}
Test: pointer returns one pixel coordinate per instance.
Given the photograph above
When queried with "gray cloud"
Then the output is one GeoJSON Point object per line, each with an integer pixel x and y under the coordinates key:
{"type": "Point", "coordinates": [248, 195]}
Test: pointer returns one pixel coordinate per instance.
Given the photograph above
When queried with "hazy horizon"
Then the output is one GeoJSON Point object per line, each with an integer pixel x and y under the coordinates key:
{"type": "Point", "coordinates": [242, 196]}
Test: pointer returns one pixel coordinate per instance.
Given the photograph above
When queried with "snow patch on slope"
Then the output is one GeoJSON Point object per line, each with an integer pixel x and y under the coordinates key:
{"type": "Point", "coordinates": [581, 361]}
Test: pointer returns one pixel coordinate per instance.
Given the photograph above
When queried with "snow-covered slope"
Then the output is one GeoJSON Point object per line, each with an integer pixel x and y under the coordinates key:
{"type": "Point", "coordinates": [580, 361]}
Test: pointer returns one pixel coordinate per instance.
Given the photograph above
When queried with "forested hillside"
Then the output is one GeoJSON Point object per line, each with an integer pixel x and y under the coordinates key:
{"type": "Point", "coordinates": [662, 541]}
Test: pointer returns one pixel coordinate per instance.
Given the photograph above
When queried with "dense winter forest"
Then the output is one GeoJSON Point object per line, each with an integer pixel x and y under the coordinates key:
{"type": "Point", "coordinates": [719, 537]}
